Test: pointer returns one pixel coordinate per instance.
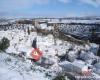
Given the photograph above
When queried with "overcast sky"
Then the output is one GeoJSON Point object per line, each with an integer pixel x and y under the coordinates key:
{"type": "Point", "coordinates": [49, 8]}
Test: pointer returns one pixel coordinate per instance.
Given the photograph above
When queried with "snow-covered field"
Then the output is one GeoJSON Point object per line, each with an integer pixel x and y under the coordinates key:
{"type": "Point", "coordinates": [50, 65]}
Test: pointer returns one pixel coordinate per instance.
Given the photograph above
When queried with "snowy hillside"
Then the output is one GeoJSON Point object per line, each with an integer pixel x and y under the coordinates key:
{"type": "Point", "coordinates": [62, 58]}
{"type": "Point", "coordinates": [21, 69]}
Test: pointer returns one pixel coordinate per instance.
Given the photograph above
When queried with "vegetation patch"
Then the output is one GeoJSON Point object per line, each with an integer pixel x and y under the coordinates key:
{"type": "Point", "coordinates": [4, 44]}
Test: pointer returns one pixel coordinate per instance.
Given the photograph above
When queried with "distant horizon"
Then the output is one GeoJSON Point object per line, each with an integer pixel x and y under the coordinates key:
{"type": "Point", "coordinates": [49, 17]}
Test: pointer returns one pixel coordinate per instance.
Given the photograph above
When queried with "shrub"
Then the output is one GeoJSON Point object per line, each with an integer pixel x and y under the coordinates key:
{"type": "Point", "coordinates": [4, 44]}
{"type": "Point", "coordinates": [59, 78]}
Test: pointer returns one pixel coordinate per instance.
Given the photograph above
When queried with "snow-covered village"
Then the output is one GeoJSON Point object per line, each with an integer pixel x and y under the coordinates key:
{"type": "Point", "coordinates": [49, 49]}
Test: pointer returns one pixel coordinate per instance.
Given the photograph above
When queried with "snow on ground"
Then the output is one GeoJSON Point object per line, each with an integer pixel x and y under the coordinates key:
{"type": "Point", "coordinates": [12, 68]}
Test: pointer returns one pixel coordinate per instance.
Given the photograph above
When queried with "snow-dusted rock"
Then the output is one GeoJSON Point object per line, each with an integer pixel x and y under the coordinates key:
{"type": "Point", "coordinates": [97, 71]}
{"type": "Point", "coordinates": [86, 55]}
{"type": "Point", "coordinates": [56, 68]}
{"type": "Point", "coordinates": [94, 48]}
{"type": "Point", "coordinates": [97, 65]}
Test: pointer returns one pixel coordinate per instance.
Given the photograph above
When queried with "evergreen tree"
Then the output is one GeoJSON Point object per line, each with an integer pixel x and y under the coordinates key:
{"type": "Point", "coordinates": [4, 44]}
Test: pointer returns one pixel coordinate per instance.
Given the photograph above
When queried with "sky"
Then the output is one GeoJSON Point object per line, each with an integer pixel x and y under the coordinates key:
{"type": "Point", "coordinates": [49, 8]}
